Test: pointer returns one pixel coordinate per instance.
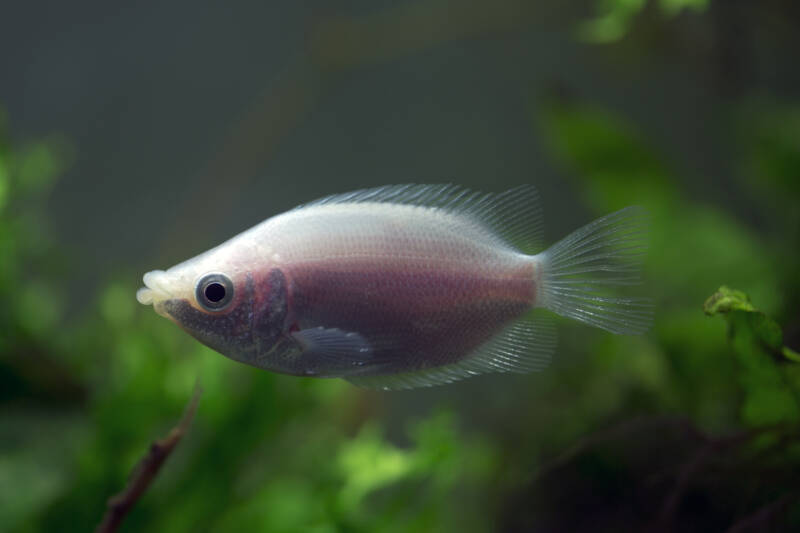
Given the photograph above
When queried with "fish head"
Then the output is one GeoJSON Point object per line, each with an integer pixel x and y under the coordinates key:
{"type": "Point", "coordinates": [224, 299]}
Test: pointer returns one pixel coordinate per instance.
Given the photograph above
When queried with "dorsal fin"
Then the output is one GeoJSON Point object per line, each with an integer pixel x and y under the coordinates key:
{"type": "Point", "coordinates": [525, 346]}
{"type": "Point", "coordinates": [514, 215]}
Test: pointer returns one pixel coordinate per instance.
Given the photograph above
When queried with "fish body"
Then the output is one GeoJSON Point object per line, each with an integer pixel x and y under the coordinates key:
{"type": "Point", "coordinates": [398, 287]}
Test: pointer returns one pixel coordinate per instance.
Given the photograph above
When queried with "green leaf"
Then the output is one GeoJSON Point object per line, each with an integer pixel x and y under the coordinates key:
{"type": "Point", "coordinates": [726, 300]}
{"type": "Point", "coordinates": [771, 394]}
{"type": "Point", "coordinates": [673, 7]}
{"type": "Point", "coordinates": [790, 354]}
{"type": "Point", "coordinates": [3, 184]}
{"type": "Point", "coordinates": [617, 15]}
{"type": "Point", "coordinates": [369, 463]}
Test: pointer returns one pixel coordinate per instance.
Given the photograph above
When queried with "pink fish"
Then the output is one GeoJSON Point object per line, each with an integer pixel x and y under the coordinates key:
{"type": "Point", "coordinates": [404, 286]}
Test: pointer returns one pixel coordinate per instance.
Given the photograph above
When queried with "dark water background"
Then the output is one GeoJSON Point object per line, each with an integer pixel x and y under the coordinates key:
{"type": "Point", "coordinates": [169, 105]}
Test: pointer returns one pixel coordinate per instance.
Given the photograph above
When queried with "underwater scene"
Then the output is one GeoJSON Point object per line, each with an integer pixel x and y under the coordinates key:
{"type": "Point", "coordinates": [400, 266]}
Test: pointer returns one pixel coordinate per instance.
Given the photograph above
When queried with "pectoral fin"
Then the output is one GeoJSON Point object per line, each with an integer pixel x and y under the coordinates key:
{"type": "Point", "coordinates": [331, 351]}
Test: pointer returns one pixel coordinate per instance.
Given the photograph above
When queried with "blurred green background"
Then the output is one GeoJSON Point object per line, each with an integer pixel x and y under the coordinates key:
{"type": "Point", "coordinates": [135, 136]}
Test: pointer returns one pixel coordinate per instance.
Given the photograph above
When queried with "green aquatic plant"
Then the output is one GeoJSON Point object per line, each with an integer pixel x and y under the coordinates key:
{"type": "Point", "coordinates": [616, 17]}
{"type": "Point", "coordinates": [769, 372]}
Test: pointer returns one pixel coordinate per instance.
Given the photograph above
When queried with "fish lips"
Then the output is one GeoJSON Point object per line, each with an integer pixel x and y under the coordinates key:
{"type": "Point", "coordinates": [157, 293]}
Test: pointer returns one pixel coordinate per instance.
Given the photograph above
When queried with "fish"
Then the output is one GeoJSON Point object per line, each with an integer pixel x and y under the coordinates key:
{"type": "Point", "coordinates": [406, 286]}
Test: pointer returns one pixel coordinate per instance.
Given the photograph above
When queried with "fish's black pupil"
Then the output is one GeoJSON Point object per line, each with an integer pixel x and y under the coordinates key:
{"type": "Point", "coordinates": [215, 292]}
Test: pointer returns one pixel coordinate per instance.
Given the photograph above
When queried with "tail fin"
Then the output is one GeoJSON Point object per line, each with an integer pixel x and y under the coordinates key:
{"type": "Point", "coordinates": [581, 272]}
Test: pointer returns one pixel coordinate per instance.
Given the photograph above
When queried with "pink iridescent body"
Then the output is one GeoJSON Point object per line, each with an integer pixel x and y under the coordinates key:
{"type": "Point", "coordinates": [425, 288]}
{"type": "Point", "coordinates": [402, 286]}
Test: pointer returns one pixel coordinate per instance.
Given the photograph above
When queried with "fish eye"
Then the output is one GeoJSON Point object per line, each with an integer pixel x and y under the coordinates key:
{"type": "Point", "coordinates": [214, 291]}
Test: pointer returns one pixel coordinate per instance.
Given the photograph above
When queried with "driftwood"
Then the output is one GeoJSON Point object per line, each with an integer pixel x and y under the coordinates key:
{"type": "Point", "coordinates": [146, 470]}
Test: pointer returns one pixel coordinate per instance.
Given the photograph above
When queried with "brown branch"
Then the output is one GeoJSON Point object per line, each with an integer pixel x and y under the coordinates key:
{"type": "Point", "coordinates": [685, 474]}
{"type": "Point", "coordinates": [700, 460]}
{"type": "Point", "coordinates": [146, 469]}
{"type": "Point", "coordinates": [759, 520]}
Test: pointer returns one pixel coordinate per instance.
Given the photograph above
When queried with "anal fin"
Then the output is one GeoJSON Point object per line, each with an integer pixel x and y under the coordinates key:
{"type": "Point", "coordinates": [524, 346]}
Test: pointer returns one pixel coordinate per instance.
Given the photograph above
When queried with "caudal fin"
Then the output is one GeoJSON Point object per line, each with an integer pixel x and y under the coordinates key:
{"type": "Point", "coordinates": [582, 273]}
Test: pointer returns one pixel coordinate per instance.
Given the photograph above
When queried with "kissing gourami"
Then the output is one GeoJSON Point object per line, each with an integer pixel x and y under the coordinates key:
{"type": "Point", "coordinates": [405, 286]}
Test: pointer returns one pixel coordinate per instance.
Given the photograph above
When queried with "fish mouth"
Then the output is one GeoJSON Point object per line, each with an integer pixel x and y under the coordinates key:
{"type": "Point", "coordinates": [155, 292]}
